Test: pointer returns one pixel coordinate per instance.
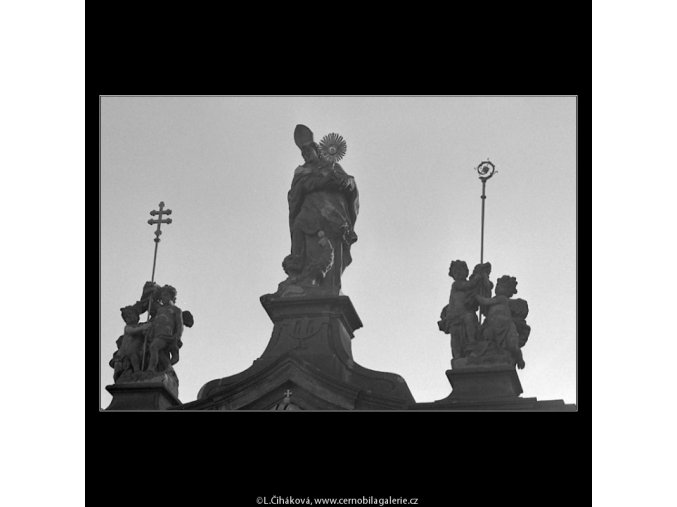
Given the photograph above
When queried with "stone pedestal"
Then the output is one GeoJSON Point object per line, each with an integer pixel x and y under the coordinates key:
{"type": "Point", "coordinates": [141, 396]}
{"type": "Point", "coordinates": [484, 382]}
{"type": "Point", "coordinates": [310, 355]}
{"type": "Point", "coordinates": [494, 387]}
{"type": "Point", "coordinates": [145, 391]}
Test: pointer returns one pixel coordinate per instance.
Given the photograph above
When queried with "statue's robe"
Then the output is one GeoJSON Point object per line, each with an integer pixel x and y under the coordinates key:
{"type": "Point", "coordinates": [316, 205]}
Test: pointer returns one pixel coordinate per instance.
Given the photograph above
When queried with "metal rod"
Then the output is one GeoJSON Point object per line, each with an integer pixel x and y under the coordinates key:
{"type": "Point", "coordinates": [152, 277]}
{"type": "Point", "coordinates": [484, 197]}
{"type": "Point", "coordinates": [159, 221]}
{"type": "Point", "coordinates": [150, 302]}
{"type": "Point", "coordinates": [484, 183]}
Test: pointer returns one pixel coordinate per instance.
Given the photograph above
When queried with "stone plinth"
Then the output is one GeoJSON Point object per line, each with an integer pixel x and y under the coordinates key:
{"type": "Point", "coordinates": [145, 391]}
{"type": "Point", "coordinates": [497, 405]}
{"type": "Point", "coordinates": [494, 387]}
{"type": "Point", "coordinates": [309, 354]}
{"type": "Point", "coordinates": [141, 396]}
{"type": "Point", "coordinates": [484, 382]}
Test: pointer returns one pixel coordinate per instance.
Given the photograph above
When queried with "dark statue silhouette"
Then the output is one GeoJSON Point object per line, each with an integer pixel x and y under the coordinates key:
{"type": "Point", "coordinates": [150, 349]}
{"type": "Point", "coordinates": [500, 337]}
{"type": "Point", "coordinates": [323, 206]}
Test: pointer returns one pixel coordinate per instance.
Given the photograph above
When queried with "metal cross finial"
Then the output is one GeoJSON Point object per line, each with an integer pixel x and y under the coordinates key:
{"type": "Point", "coordinates": [159, 221]}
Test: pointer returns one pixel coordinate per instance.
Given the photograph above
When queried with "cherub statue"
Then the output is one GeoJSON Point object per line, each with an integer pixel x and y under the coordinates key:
{"type": "Point", "coordinates": [458, 318]}
{"type": "Point", "coordinates": [483, 287]}
{"type": "Point", "coordinates": [130, 344]}
{"type": "Point", "coordinates": [499, 332]}
{"type": "Point", "coordinates": [147, 349]}
{"type": "Point", "coordinates": [165, 333]}
{"type": "Point", "coordinates": [320, 261]}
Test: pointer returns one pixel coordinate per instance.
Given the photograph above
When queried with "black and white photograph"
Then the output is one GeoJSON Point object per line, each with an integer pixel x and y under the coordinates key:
{"type": "Point", "coordinates": [338, 253]}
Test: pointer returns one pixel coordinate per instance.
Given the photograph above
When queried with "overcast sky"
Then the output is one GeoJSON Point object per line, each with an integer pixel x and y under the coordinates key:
{"type": "Point", "coordinates": [224, 166]}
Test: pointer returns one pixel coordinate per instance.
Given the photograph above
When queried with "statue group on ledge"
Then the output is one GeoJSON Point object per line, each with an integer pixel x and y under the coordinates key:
{"type": "Point", "coordinates": [148, 349]}
{"type": "Point", "coordinates": [323, 206]}
{"type": "Point", "coordinates": [504, 331]}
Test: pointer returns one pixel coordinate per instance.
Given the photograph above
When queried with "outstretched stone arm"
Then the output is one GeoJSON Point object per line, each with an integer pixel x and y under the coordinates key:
{"type": "Point", "coordinates": [489, 301]}
{"type": "Point", "coordinates": [131, 329]}
{"type": "Point", "coordinates": [465, 285]}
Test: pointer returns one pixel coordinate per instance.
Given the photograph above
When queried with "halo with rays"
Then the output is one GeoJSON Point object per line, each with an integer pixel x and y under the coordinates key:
{"type": "Point", "coordinates": [333, 147]}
